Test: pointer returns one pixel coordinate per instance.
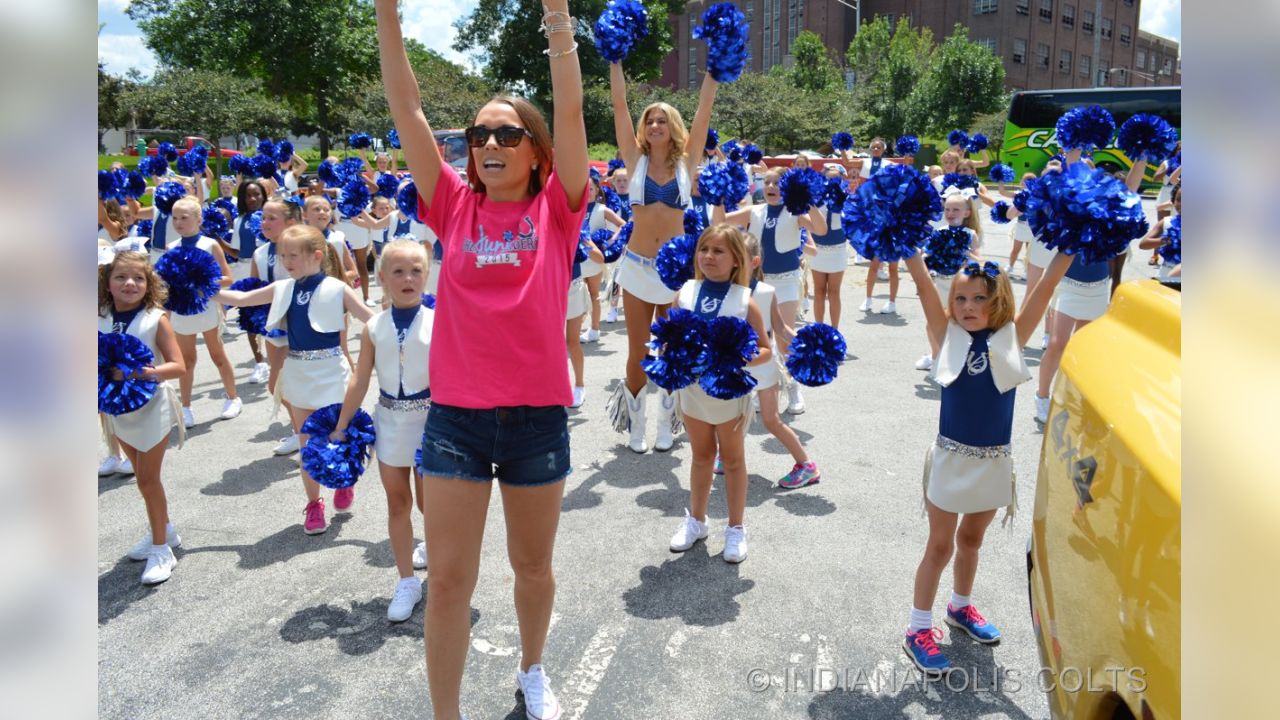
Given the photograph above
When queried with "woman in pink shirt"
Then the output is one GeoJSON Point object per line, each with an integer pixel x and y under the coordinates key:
{"type": "Point", "coordinates": [499, 381]}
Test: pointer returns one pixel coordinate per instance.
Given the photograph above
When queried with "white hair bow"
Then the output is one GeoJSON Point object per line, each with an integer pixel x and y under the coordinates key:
{"type": "Point", "coordinates": [966, 193]}
{"type": "Point", "coordinates": [129, 244]}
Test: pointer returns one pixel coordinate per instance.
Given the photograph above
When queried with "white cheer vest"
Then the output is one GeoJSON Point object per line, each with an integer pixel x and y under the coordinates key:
{"type": "Point", "coordinates": [325, 310]}
{"type": "Point", "coordinates": [409, 372]}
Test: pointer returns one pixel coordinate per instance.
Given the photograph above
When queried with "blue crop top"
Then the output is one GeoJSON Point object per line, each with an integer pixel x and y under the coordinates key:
{"type": "Point", "coordinates": [668, 194]}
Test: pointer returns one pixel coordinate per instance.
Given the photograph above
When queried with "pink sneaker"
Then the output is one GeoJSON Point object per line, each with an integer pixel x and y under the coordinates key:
{"type": "Point", "coordinates": [343, 498]}
{"type": "Point", "coordinates": [314, 522]}
{"type": "Point", "coordinates": [800, 475]}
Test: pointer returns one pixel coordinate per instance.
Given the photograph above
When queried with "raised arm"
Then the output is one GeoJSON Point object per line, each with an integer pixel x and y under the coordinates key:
{"type": "Point", "coordinates": [623, 129]}
{"type": "Point", "coordinates": [113, 228]}
{"type": "Point", "coordinates": [1134, 178]}
{"type": "Point", "coordinates": [934, 313]}
{"type": "Point", "coordinates": [569, 129]}
{"type": "Point", "coordinates": [405, 102]}
{"type": "Point", "coordinates": [693, 147]}
{"type": "Point", "coordinates": [1028, 321]}
{"type": "Point", "coordinates": [738, 217]}
{"type": "Point", "coordinates": [814, 221]}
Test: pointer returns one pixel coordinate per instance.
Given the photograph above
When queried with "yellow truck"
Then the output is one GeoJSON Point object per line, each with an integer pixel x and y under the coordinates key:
{"type": "Point", "coordinates": [1104, 562]}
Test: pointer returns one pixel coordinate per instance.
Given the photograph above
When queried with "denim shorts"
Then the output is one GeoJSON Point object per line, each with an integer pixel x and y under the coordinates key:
{"type": "Point", "coordinates": [523, 445]}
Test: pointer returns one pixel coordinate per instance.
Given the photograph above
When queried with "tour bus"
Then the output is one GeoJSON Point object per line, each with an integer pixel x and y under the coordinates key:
{"type": "Point", "coordinates": [1029, 135]}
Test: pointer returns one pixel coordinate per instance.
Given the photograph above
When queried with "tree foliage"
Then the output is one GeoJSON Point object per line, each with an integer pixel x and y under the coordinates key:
{"type": "Point", "coordinates": [770, 111]}
{"type": "Point", "coordinates": [814, 70]}
{"type": "Point", "coordinates": [112, 112]}
{"type": "Point", "coordinates": [964, 81]}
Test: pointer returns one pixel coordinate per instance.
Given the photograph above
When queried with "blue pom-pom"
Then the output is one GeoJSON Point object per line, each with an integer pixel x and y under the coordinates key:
{"type": "Point", "coordinates": [1147, 137]}
{"type": "Point", "coordinates": [1001, 173]}
{"type": "Point", "coordinates": [1020, 201]}
{"type": "Point", "coordinates": [198, 160]}
{"type": "Point", "coordinates": [674, 262]}
{"type": "Point", "coordinates": [713, 139]}
{"type": "Point", "coordinates": [337, 465]}
{"type": "Point", "coordinates": [167, 194]}
{"type": "Point", "coordinates": [359, 141]}
{"type": "Point", "coordinates": [680, 339]}
{"type": "Point", "coordinates": [622, 24]}
{"type": "Point", "coordinates": [693, 224]}
{"type": "Point", "coordinates": [957, 137]}
{"type": "Point", "coordinates": [355, 198]}
{"type": "Point", "coordinates": [193, 277]}
{"type": "Point", "coordinates": [239, 165]}
{"type": "Point", "coordinates": [253, 318]}
{"type": "Point", "coordinates": [387, 185]}
{"type": "Point", "coordinates": [732, 151]}
{"type": "Point", "coordinates": [254, 223]}
{"type": "Point", "coordinates": [616, 164]}
{"type": "Point", "coordinates": [183, 165]}
{"type": "Point", "coordinates": [725, 29]}
{"type": "Point", "coordinates": [602, 239]}
{"type": "Point", "coordinates": [107, 187]}
{"type": "Point", "coordinates": [752, 154]}
{"type": "Point", "coordinates": [731, 344]}
{"type": "Point", "coordinates": [328, 174]}
{"type": "Point", "coordinates": [947, 250]}
{"type": "Point", "coordinates": [891, 214]}
{"type": "Point", "coordinates": [976, 143]}
{"type": "Point", "coordinates": [264, 166]}
{"type": "Point", "coordinates": [284, 151]}
{"type": "Point", "coordinates": [142, 228]}
{"type": "Point", "coordinates": [429, 301]}
{"type": "Point", "coordinates": [393, 138]}
{"type": "Point", "coordinates": [266, 147]}
{"type": "Point", "coordinates": [167, 151]}
{"type": "Point", "coordinates": [614, 249]}
{"type": "Point", "coordinates": [1175, 162]}
{"type": "Point", "coordinates": [908, 145]}
{"type": "Point", "coordinates": [128, 354]}
{"type": "Point", "coordinates": [407, 200]}
{"type": "Point", "coordinates": [816, 353]}
{"type": "Point", "coordinates": [582, 253]}
{"type": "Point", "coordinates": [1000, 213]}
{"type": "Point", "coordinates": [1171, 251]}
{"type": "Point", "coordinates": [1086, 127]}
{"type": "Point", "coordinates": [801, 188]}
{"type": "Point", "coordinates": [1084, 212]}
{"type": "Point", "coordinates": [835, 193]}
{"type": "Point", "coordinates": [135, 185]}
{"type": "Point", "coordinates": [214, 224]}
{"type": "Point", "coordinates": [229, 205]}
{"type": "Point", "coordinates": [842, 141]}
{"type": "Point", "coordinates": [723, 184]}
{"type": "Point", "coordinates": [350, 169]}
{"type": "Point", "coordinates": [961, 181]}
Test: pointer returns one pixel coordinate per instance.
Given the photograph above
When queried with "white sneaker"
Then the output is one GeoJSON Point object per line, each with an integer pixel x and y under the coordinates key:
{"type": "Point", "coordinates": [420, 556]}
{"type": "Point", "coordinates": [735, 544]}
{"type": "Point", "coordinates": [612, 315]}
{"type": "Point", "coordinates": [925, 362]}
{"type": "Point", "coordinates": [589, 336]}
{"type": "Point", "coordinates": [126, 467]}
{"type": "Point", "coordinates": [1044, 341]}
{"type": "Point", "coordinates": [407, 596]}
{"type": "Point", "coordinates": [261, 372]}
{"type": "Point", "coordinates": [231, 408]}
{"type": "Point", "coordinates": [160, 565]}
{"type": "Point", "coordinates": [579, 396]}
{"type": "Point", "coordinates": [188, 420]}
{"type": "Point", "coordinates": [287, 446]}
{"type": "Point", "coordinates": [689, 532]}
{"type": "Point", "coordinates": [110, 466]}
{"type": "Point", "coordinates": [143, 548]}
{"type": "Point", "coordinates": [889, 308]}
{"type": "Point", "coordinates": [882, 273]}
{"type": "Point", "coordinates": [1042, 410]}
{"type": "Point", "coordinates": [539, 702]}
{"type": "Point", "coordinates": [795, 403]}
{"type": "Point", "coordinates": [865, 306]}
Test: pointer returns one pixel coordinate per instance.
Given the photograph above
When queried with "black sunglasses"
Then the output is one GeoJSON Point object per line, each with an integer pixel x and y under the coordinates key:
{"type": "Point", "coordinates": [507, 135]}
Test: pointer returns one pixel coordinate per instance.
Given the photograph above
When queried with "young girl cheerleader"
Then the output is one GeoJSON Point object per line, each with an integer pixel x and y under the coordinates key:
{"type": "Point", "coordinates": [598, 217]}
{"type": "Point", "coordinates": [662, 159]}
{"type": "Point", "coordinates": [1038, 256]}
{"type": "Point", "coordinates": [317, 212]}
{"type": "Point", "coordinates": [1168, 174]}
{"type": "Point", "coordinates": [277, 215]}
{"type": "Point", "coordinates": [131, 300]}
{"type": "Point", "coordinates": [957, 211]}
{"type": "Point", "coordinates": [1159, 236]}
{"type": "Point", "coordinates": [580, 302]}
{"type": "Point", "coordinates": [309, 305]}
{"type": "Point", "coordinates": [376, 223]}
{"type": "Point", "coordinates": [721, 288]}
{"type": "Point", "coordinates": [250, 197]}
{"type": "Point", "coordinates": [621, 184]}
{"type": "Point", "coordinates": [870, 166]}
{"type": "Point", "coordinates": [397, 342]}
{"type": "Point", "coordinates": [968, 472]}
{"type": "Point", "coordinates": [186, 221]}
{"type": "Point", "coordinates": [357, 242]}
{"type": "Point", "coordinates": [829, 264]}
{"type": "Point", "coordinates": [779, 234]}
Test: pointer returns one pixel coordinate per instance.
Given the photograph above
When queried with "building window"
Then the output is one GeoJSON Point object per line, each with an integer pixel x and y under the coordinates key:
{"type": "Point", "coordinates": [1128, 2]}
{"type": "Point", "coordinates": [693, 55]}
{"type": "Point", "coordinates": [751, 10]}
{"type": "Point", "coordinates": [891, 17]}
{"type": "Point", "coordinates": [1086, 24]}
{"type": "Point", "coordinates": [1168, 67]}
{"type": "Point", "coordinates": [791, 22]}
{"type": "Point", "coordinates": [1042, 55]}
{"type": "Point", "coordinates": [1046, 11]}
{"type": "Point", "coordinates": [1022, 7]}
{"type": "Point", "coordinates": [1141, 60]}
{"type": "Point", "coordinates": [1064, 62]}
{"type": "Point", "coordinates": [990, 44]}
{"type": "Point", "coordinates": [1126, 35]}
{"type": "Point", "coordinates": [1085, 62]}
{"type": "Point", "coordinates": [1123, 74]}
{"type": "Point", "coordinates": [984, 7]}
{"type": "Point", "coordinates": [1106, 28]}
{"type": "Point", "coordinates": [1019, 51]}
{"type": "Point", "coordinates": [1068, 15]}
{"type": "Point", "coordinates": [776, 50]}
{"type": "Point", "coordinates": [1101, 78]}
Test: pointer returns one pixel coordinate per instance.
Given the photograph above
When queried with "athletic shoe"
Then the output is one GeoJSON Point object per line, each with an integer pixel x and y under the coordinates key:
{"type": "Point", "coordinates": [718, 468]}
{"type": "Point", "coordinates": [231, 408]}
{"type": "Point", "coordinates": [110, 466]}
{"type": "Point", "coordinates": [1044, 341]}
{"type": "Point", "coordinates": [579, 396]}
{"type": "Point", "coordinates": [801, 474]}
{"type": "Point", "coordinates": [612, 315]}
{"type": "Point", "coordinates": [689, 532]}
{"type": "Point", "coordinates": [795, 403]}
{"type": "Point", "coordinates": [313, 518]}
{"type": "Point", "coordinates": [420, 556]}
{"type": "Point", "coordinates": [971, 621]}
{"type": "Point", "coordinates": [288, 446]}
{"type": "Point", "coordinates": [865, 306]}
{"type": "Point", "coordinates": [925, 362]}
{"type": "Point", "coordinates": [882, 273]}
{"type": "Point", "coordinates": [143, 548]}
{"type": "Point", "coordinates": [922, 648]}
{"type": "Point", "coordinates": [261, 372]}
{"type": "Point", "coordinates": [342, 499]}
{"type": "Point", "coordinates": [1042, 409]}
{"type": "Point", "coordinates": [735, 544]}
{"type": "Point", "coordinates": [407, 596]}
{"type": "Point", "coordinates": [889, 308]}
{"type": "Point", "coordinates": [188, 420]}
{"type": "Point", "coordinates": [126, 467]}
{"type": "Point", "coordinates": [590, 336]}
{"type": "Point", "coordinates": [539, 702]}
{"type": "Point", "coordinates": [160, 565]}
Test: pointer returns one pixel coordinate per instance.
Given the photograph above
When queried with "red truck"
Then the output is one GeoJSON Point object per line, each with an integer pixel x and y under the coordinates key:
{"type": "Point", "coordinates": [186, 144]}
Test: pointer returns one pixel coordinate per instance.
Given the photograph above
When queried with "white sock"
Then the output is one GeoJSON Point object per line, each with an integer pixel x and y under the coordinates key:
{"type": "Point", "coordinates": [159, 547]}
{"type": "Point", "coordinates": [958, 601]}
{"type": "Point", "coordinates": [920, 620]}
{"type": "Point", "coordinates": [169, 529]}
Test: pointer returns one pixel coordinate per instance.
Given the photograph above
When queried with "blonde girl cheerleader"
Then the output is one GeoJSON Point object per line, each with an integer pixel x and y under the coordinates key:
{"type": "Point", "coordinates": [829, 264]}
{"type": "Point", "coordinates": [957, 212]}
{"type": "Point", "coordinates": [968, 472]}
{"type": "Point", "coordinates": [397, 342]}
{"type": "Point", "coordinates": [661, 158]}
{"type": "Point", "coordinates": [598, 217]}
{"type": "Point", "coordinates": [376, 222]}
{"type": "Point", "coordinates": [721, 288]}
{"type": "Point", "coordinates": [357, 241]}
{"type": "Point", "coordinates": [621, 184]}
{"type": "Point", "coordinates": [131, 300]}
{"type": "Point", "coordinates": [309, 305]}
{"type": "Point", "coordinates": [186, 221]}
{"type": "Point", "coordinates": [277, 215]}
{"type": "Point", "coordinates": [317, 212]}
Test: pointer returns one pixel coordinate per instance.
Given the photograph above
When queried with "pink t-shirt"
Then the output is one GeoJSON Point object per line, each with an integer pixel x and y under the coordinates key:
{"type": "Point", "coordinates": [498, 338]}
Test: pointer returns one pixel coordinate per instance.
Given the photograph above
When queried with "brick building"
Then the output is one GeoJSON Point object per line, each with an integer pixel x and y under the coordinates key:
{"type": "Point", "coordinates": [1157, 61]}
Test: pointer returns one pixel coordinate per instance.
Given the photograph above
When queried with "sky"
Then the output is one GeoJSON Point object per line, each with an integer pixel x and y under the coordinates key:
{"type": "Point", "coordinates": [121, 47]}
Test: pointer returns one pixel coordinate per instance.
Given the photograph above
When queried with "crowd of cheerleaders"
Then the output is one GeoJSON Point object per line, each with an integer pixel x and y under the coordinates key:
{"type": "Point", "coordinates": [166, 278]}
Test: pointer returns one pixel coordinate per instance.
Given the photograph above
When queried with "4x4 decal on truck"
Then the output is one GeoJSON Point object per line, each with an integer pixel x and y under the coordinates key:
{"type": "Point", "coordinates": [1080, 471]}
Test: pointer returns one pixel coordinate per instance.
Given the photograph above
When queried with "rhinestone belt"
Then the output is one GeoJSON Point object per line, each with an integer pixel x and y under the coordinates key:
{"type": "Point", "coordinates": [975, 451]}
{"type": "Point", "coordinates": [404, 405]}
{"type": "Point", "coordinates": [315, 354]}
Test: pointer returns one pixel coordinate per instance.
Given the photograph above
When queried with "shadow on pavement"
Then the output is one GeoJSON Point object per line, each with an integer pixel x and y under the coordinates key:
{"type": "Point", "coordinates": [360, 629]}
{"type": "Point", "coordinates": [698, 588]}
{"type": "Point", "coordinates": [256, 476]}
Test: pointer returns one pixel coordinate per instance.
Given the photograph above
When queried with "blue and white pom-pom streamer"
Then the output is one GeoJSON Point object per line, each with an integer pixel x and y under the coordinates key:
{"type": "Point", "coordinates": [1000, 213]}
{"type": "Point", "coordinates": [128, 354]}
{"type": "Point", "coordinates": [977, 142]}
{"type": "Point", "coordinates": [167, 151]}
{"type": "Point", "coordinates": [1171, 251]}
{"type": "Point", "coordinates": [263, 166]}
{"type": "Point", "coordinates": [1001, 173]}
{"type": "Point", "coordinates": [842, 141]}
{"type": "Point", "coordinates": [622, 24]}
{"type": "Point", "coordinates": [393, 138]}
{"type": "Point", "coordinates": [616, 164]}
{"type": "Point", "coordinates": [1086, 128]}
{"type": "Point", "coordinates": [713, 139]}
{"type": "Point", "coordinates": [725, 30]}
{"type": "Point", "coordinates": [947, 250]}
{"type": "Point", "coordinates": [407, 200]}
{"type": "Point", "coordinates": [359, 141]}
{"type": "Point", "coordinates": [835, 193]}
{"type": "Point", "coordinates": [229, 205]}
{"type": "Point", "coordinates": [801, 188]}
{"type": "Point", "coordinates": [616, 248]}
{"type": "Point", "coordinates": [107, 187]}
{"type": "Point", "coordinates": [752, 154]}
{"type": "Point", "coordinates": [693, 224]}
{"type": "Point", "coordinates": [143, 228]}
{"type": "Point", "coordinates": [328, 174]}
{"type": "Point", "coordinates": [891, 214]}
{"type": "Point", "coordinates": [962, 182]}
{"type": "Point", "coordinates": [193, 276]}
{"type": "Point", "coordinates": [337, 465]}
{"type": "Point", "coordinates": [1147, 137]}
{"type": "Point", "coordinates": [214, 224]}
{"type": "Point", "coordinates": [957, 137]}
{"type": "Point", "coordinates": [816, 353]}
{"type": "Point", "coordinates": [680, 339]}
{"type": "Point", "coordinates": [167, 194]}
{"type": "Point", "coordinates": [252, 318]}
{"type": "Point", "coordinates": [731, 344]}
{"type": "Point", "coordinates": [674, 262]}
{"type": "Point", "coordinates": [611, 250]}
{"type": "Point", "coordinates": [355, 198]}
{"type": "Point", "coordinates": [732, 150]}
{"type": "Point", "coordinates": [582, 253]}
{"type": "Point", "coordinates": [238, 165]}
{"type": "Point", "coordinates": [284, 151]}
{"type": "Point", "coordinates": [723, 184]}
{"type": "Point", "coordinates": [908, 145]}
{"type": "Point", "coordinates": [1085, 212]}
{"type": "Point", "coordinates": [387, 185]}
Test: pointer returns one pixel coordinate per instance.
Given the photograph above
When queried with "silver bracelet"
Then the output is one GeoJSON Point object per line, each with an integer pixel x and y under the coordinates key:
{"type": "Point", "coordinates": [572, 49]}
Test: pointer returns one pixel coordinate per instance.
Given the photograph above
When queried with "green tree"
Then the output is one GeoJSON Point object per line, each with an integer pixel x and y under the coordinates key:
{"type": "Point", "coordinates": [814, 69]}
{"type": "Point", "coordinates": [964, 81]}
{"type": "Point", "coordinates": [888, 70]}
{"type": "Point", "coordinates": [112, 113]}
{"type": "Point", "coordinates": [770, 111]}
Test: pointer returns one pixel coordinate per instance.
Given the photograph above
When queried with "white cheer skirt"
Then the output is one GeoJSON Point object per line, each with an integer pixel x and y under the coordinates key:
{"type": "Point", "coordinates": [830, 258]}
{"type": "Point", "coordinates": [961, 478]}
{"type": "Point", "coordinates": [579, 299]}
{"type": "Point", "coordinates": [638, 276]}
{"type": "Point", "coordinates": [312, 379]}
{"type": "Point", "coordinates": [399, 425]}
{"type": "Point", "coordinates": [1038, 254]}
{"type": "Point", "coordinates": [196, 324]}
{"type": "Point", "coordinates": [150, 424]}
{"type": "Point", "coordinates": [1082, 301]}
{"type": "Point", "coordinates": [694, 403]}
{"type": "Point", "coordinates": [786, 286]}
{"type": "Point", "coordinates": [591, 268]}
